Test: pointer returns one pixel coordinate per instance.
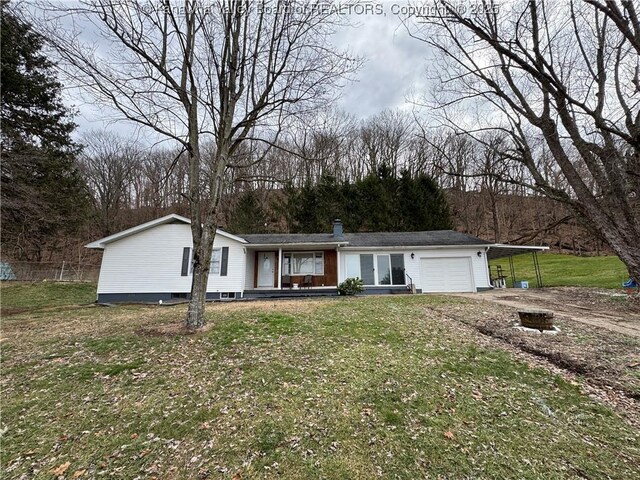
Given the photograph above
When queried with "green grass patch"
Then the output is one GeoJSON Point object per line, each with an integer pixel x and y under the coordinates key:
{"type": "Point", "coordinates": [350, 388]}
{"type": "Point", "coordinates": [19, 296]}
{"type": "Point", "coordinates": [567, 270]}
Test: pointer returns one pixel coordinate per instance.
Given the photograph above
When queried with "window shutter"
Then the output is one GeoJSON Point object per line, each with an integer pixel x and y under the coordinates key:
{"type": "Point", "coordinates": [224, 262]}
{"type": "Point", "coordinates": [186, 256]}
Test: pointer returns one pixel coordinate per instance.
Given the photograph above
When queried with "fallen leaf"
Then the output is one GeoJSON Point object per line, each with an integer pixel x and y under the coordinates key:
{"type": "Point", "coordinates": [78, 473]}
{"type": "Point", "coordinates": [449, 434]}
{"type": "Point", "coordinates": [134, 436]}
{"type": "Point", "coordinates": [61, 469]}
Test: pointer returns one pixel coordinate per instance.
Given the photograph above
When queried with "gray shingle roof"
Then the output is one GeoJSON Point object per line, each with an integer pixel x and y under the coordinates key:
{"type": "Point", "coordinates": [268, 238]}
{"type": "Point", "coordinates": [412, 239]}
{"type": "Point", "coordinates": [373, 239]}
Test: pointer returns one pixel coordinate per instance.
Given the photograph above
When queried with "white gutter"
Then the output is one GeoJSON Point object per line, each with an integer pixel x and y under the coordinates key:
{"type": "Point", "coordinates": [416, 247]}
{"type": "Point", "coordinates": [518, 247]}
{"type": "Point", "coordinates": [287, 245]}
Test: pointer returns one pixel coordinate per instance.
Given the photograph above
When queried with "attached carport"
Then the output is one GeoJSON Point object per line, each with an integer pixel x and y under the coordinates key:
{"type": "Point", "coordinates": [497, 251]}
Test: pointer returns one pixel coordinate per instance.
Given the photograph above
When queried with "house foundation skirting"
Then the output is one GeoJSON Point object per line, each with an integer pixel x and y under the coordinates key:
{"type": "Point", "coordinates": [166, 297]}
{"type": "Point", "coordinates": [157, 296]}
{"type": "Point", "coordinates": [388, 290]}
{"type": "Point", "coordinates": [290, 293]}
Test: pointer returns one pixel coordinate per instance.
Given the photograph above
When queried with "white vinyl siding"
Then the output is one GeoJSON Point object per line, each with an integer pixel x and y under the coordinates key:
{"type": "Point", "coordinates": [151, 261]}
{"type": "Point", "coordinates": [350, 262]}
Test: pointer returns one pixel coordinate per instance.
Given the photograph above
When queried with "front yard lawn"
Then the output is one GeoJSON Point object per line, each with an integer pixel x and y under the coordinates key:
{"type": "Point", "coordinates": [335, 388]}
{"type": "Point", "coordinates": [18, 297]}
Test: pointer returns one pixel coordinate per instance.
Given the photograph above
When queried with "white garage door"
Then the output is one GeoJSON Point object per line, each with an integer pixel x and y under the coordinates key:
{"type": "Point", "coordinates": [451, 274]}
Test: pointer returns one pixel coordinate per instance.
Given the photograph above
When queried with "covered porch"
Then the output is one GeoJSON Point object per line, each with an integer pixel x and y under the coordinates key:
{"type": "Point", "coordinates": [300, 270]}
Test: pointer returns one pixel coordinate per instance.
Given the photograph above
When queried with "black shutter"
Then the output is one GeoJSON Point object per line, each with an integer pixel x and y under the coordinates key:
{"type": "Point", "coordinates": [186, 256]}
{"type": "Point", "coordinates": [224, 261]}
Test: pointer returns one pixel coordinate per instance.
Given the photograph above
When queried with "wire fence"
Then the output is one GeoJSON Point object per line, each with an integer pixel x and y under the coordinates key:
{"type": "Point", "coordinates": [38, 271]}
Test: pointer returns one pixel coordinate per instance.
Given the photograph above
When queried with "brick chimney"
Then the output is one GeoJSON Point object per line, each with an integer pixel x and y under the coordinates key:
{"type": "Point", "coordinates": [338, 233]}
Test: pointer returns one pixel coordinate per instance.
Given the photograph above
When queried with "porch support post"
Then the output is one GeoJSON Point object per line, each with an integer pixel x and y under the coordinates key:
{"type": "Point", "coordinates": [337, 266]}
{"type": "Point", "coordinates": [280, 268]}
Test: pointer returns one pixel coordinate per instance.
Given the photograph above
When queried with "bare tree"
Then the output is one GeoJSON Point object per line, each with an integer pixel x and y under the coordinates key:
{"type": "Point", "coordinates": [107, 164]}
{"type": "Point", "coordinates": [384, 140]}
{"type": "Point", "coordinates": [224, 71]}
{"type": "Point", "coordinates": [557, 78]}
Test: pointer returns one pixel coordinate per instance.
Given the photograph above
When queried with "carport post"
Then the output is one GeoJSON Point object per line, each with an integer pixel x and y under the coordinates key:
{"type": "Point", "coordinates": [513, 271]}
{"type": "Point", "coordinates": [536, 267]}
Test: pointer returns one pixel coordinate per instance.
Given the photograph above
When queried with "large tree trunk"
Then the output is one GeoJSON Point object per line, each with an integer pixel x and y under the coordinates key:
{"type": "Point", "coordinates": [202, 250]}
{"type": "Point", "coordinates": [195, 311]}
{"type": "Point", "coordinates": [203, 230]}
{"type": "Point", "coordinates": [624, 241]}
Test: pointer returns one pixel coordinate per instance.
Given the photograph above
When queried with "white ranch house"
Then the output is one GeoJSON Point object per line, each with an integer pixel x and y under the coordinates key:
{"type": "Point", "coordinates": [152, 262]}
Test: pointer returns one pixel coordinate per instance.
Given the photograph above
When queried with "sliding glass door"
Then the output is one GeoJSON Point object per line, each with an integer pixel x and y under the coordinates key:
{"type": "Point", "coordinates": [384, 270]}
{"type": "Point", "coordinates": [367, 271]}
{"type": "Point", "coordinates": [375, 269]}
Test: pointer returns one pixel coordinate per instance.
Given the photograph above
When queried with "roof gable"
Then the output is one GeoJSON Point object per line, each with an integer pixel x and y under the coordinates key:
{"type": "Point", "coordinates": [168, 219]}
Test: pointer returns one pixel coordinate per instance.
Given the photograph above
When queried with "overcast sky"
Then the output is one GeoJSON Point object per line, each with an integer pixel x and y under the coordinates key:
{"type": "Point", "coordinates": [394, 67]}
{"type": "Point", "coordinates": [395, 63]}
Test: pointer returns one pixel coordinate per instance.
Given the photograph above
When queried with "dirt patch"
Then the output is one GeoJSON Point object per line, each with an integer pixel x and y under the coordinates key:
{"type": "Point", "coordinates": [605, 357]}
{"type": "Point", "coordinates": [5, 312]}
{"type": "Point", "coordinates": [606, 309]}
{"type": "Point", "coordinates": [572, 369]}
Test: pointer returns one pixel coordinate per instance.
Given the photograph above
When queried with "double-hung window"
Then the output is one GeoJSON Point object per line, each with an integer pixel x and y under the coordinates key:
{"type": "Point", "coordinates": [303, 263]}
{"type": "Point", "coordinates": [216, 260]}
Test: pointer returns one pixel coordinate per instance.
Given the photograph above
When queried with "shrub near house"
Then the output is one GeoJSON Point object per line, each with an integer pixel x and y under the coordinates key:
{"type": "Point", "coordinates": [351, 286]}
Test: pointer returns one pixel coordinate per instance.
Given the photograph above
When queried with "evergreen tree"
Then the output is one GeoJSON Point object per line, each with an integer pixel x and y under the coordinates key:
{"type": "Point", "coordinates": [422, 203]}
{"type": "Point", "coordinates": [43, 194]}
{"type": "Point", "coordinates": [376, 198]}
{"type": "Point", "coordinates": [379, 202]}
{"type": "Point", "coordinates": [249, 216]}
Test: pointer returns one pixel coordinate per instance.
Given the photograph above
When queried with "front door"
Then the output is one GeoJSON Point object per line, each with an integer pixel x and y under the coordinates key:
{"type": "Point", "coordinates": [266, 266]}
